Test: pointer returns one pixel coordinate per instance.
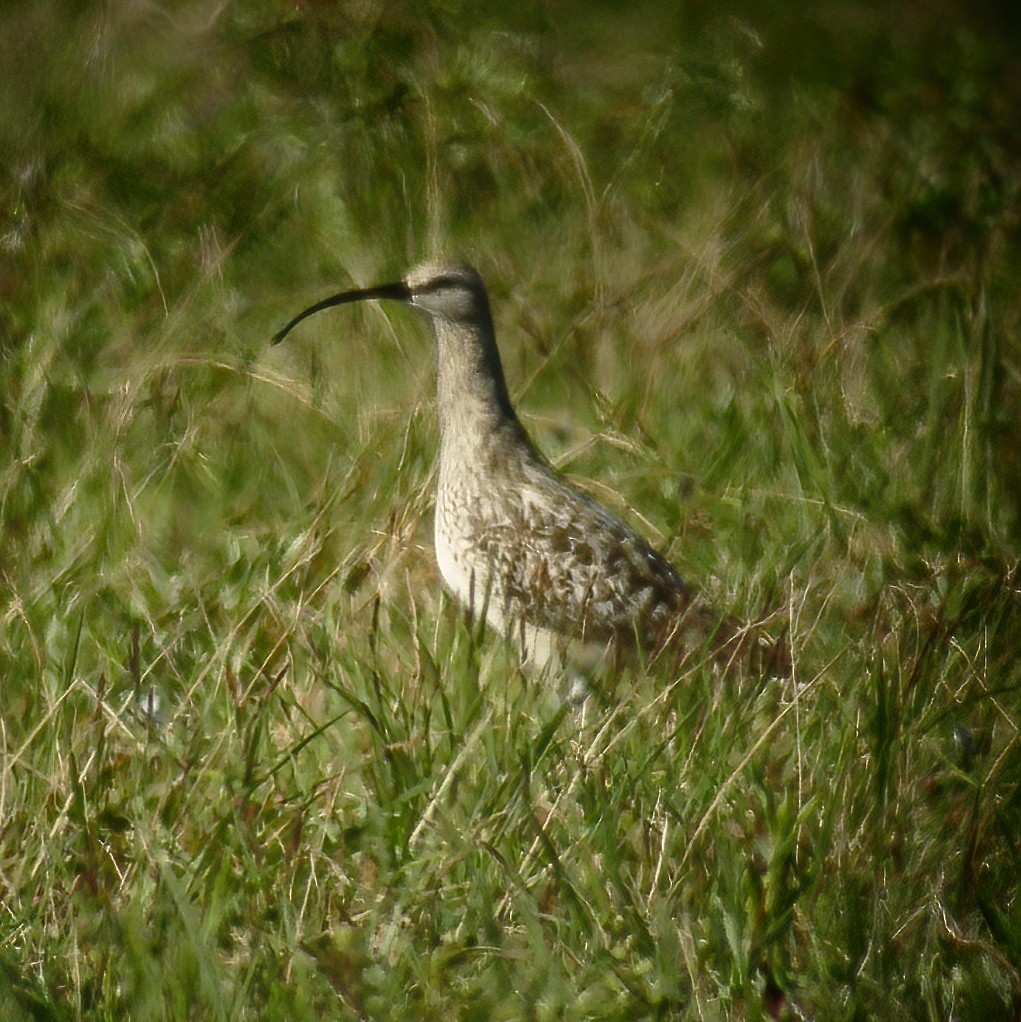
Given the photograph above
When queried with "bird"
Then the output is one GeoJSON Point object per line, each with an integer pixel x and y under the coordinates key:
{"type": "Point", "coordinates": [563, 578]}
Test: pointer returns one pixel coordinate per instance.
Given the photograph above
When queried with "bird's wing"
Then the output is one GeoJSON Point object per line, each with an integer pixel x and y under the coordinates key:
{"type": "Point", "coordinates": [562, 562]}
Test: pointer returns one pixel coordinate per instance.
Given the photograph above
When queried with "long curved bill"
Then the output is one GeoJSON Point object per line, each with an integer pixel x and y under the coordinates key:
{"type": "Point", "coordinates": [397, 292]}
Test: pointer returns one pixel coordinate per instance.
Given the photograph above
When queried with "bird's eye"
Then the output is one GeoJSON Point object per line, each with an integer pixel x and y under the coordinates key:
{"type": "Point", "coordinates": [440, 284]}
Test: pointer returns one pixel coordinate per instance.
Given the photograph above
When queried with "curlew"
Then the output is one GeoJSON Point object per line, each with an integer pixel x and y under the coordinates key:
{"type": "Point", "coordinates": [567, 581]}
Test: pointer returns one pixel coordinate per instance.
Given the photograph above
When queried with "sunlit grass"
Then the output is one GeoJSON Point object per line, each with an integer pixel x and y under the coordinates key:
{"type": "Point", "coordinates": [756, 295]}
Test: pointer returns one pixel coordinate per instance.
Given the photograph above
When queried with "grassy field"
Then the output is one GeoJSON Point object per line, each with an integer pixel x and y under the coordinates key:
{"type": "Point", "coordinates": [755, 278]}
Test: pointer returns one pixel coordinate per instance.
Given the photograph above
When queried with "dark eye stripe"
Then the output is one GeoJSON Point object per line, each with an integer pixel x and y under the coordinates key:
{"type": "Point", "coordinates": [441, 284]}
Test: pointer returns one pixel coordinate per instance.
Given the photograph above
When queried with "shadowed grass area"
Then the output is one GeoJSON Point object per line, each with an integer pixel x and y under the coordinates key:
{"type": "Point", "coordinates": [755, 281]}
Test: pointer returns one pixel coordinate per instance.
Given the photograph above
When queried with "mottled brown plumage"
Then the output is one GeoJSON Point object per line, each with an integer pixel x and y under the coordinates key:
{"type": "Point", "coordinates": [559, 574]}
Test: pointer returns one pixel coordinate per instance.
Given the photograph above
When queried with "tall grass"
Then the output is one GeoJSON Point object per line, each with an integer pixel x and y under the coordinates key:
{"type": "Point", "coordinates": [755, 280]}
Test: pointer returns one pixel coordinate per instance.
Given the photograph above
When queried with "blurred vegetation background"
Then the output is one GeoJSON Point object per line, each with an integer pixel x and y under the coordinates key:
{"type": "Point", "coordinates": [755, 273]}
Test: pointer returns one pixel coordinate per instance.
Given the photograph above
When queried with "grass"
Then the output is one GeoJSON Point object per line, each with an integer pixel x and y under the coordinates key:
{"type": "Point", "coordinates": [754, 275]}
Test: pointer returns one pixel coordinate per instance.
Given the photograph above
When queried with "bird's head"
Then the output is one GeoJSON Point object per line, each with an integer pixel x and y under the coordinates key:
{"type": "Point", "coordinates": [448, 292]}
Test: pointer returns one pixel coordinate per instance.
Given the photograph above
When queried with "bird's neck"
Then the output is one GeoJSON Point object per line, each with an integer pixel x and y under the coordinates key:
{"type": "Point", "coordinates": [473, 405]}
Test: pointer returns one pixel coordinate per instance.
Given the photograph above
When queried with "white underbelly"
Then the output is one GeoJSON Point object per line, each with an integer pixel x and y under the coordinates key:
{"type": "Point", "coordinates": [468, 581]}
{"type": "Point", "coordinates": [472, 586]}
